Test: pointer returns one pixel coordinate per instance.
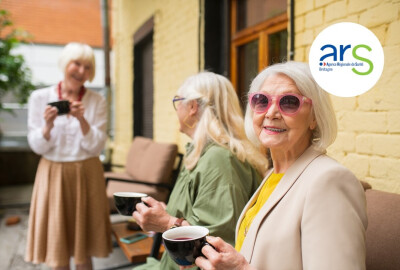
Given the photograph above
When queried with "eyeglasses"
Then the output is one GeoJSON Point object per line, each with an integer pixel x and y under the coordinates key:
{"type": "Point", "coordinates": [176, 99]}
{"type": "Point", "coordinates": [288, 104]}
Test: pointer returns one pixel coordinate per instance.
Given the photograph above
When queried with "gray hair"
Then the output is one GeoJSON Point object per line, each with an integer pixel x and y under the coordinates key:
{"type": "Point", "coordinates": [326, 130]}
{"type": "Point", "coordinates": [78, 51]}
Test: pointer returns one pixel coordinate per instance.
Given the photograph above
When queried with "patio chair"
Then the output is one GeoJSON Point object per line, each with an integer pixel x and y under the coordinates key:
{"type": "Point", "coordinates": [383, 231]}
{"type": "Point", "coordinates": [149, 169]}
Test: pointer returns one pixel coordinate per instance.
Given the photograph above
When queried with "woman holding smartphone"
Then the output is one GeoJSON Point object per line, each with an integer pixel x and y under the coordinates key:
{"type": "Point", "coordinates": [69, 214]}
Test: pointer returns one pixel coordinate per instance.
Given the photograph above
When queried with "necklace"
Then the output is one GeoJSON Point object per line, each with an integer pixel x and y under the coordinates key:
{"type": "Point", "coordinates": [80, 95]}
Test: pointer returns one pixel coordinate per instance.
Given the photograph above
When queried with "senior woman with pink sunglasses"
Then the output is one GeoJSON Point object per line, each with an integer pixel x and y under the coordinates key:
{"type": "Point", "coordinates": [310, 211]}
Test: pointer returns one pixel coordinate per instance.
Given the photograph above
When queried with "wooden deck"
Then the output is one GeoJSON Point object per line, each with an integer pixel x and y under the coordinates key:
{"type": "Point", "coordinates": [13, 238]}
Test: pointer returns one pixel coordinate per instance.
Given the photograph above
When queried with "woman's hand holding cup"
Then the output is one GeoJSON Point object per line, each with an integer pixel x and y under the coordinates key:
{"type": "Point", "coordinates": [221, 256]}
{"type": "Point", "coordinates": [151, 216]}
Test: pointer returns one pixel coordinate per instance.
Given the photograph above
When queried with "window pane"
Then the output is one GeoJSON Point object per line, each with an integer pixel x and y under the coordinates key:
{"type": "Point", "coordinates": [277, 50]}
{"type": "Point", "coordinates": [247, 67]}
{"type": "Point", "coordinates": [252, 12]}
{"type": "Point", "coordinates": [14, 125]}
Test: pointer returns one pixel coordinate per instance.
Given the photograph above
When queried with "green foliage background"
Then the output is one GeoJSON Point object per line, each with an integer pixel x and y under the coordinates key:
{"type": "Point", "coordinates": [15, 76]}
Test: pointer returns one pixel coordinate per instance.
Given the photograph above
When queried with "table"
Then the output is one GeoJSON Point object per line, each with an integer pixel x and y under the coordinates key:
{"type": "Point", "coordinates": [136, 252]}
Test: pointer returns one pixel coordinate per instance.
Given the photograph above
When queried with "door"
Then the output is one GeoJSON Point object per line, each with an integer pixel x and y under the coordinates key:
{"type": "Point", "coordinates": [143, 84]}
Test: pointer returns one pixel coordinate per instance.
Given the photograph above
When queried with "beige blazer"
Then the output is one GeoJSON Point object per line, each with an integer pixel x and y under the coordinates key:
{"type": "Point", "coordinates": [315, 219]}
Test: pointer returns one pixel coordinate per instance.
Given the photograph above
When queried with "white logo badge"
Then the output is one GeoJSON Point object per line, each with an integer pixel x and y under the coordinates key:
{"type": "Point", "coordinates": [346, 59]}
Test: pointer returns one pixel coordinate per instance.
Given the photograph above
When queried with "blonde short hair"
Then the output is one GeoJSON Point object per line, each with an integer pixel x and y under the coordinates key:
{"type": "Point", "coordinates": [78, 51]}
{"type": "Point", "coordinates": [325, 132]}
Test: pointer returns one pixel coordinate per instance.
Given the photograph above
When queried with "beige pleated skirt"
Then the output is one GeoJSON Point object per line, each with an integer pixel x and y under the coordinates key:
{"type": "Point", "coordinates": [69, 213]}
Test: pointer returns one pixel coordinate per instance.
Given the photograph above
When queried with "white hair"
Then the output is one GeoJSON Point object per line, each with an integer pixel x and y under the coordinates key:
{"type": "Point", "coordinates": [78, 51]}
{"type": "Point", "coordinates": [326, 130]}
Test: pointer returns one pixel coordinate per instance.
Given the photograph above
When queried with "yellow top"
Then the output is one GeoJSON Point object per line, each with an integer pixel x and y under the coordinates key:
{"type": "Point", "coordinates": [263, 196]}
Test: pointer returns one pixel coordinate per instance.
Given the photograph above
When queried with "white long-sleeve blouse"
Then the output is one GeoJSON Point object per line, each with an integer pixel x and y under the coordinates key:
{"type": "Point", "coordinates": [67, 142]}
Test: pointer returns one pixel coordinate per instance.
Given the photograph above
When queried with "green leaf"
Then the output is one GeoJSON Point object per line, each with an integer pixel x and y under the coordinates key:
{"type": "Point", "coordinates": [15, 76]}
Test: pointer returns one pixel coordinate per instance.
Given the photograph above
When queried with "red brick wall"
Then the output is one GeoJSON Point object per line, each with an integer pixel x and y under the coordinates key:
{"type": "Point", "coordinates": [58, 21]}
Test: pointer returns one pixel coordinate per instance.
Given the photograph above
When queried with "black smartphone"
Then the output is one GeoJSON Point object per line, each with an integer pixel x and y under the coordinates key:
{"type": "Point", "coordinates": [61, 105]}
{"type": "Point", "coordinates": [133, 238]}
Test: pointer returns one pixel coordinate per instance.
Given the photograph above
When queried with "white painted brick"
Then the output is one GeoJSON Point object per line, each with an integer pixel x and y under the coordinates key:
{"type": "Point", "coordinates": [299, 54]}
{"type": "Point", "coordinates": [380, 14]}
{"type": "Point", "coordinates": [393, 121]}
{"type": "Point", "coordinates": [384, 184]}
{"type": "Point", "coordinates": [314, 18]}
{"type": "Point", "coordinates": [366, 122]}
{"type": "Point", "coordinates": [321, 3]}
{"type": "Point", "coordinates": [346, 141]}
{"type": "Point", "coordinates": [335, 10]}
{"type": "Point", "coordinates": [303, 6]}
{"type": "Point", "coordinates": [375, 144]}
{"type": "Point", "coordinates": [385, 168]}
{"type": "Point", "coordinates": [358, 164]}
{"type": "Point", "coordinates": [343, 103]}
{"type": "Point", "coordinates": [299, 24]}
{"type": "Point", "coordinates": [393, 33]}
{"type": "Point", "coordinates": [355, 6]}
{"type": "Point", "coordinates": [304, 38]}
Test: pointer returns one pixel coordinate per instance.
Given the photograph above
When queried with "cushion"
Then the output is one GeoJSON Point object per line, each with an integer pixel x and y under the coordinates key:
{"type": "Point", "coordinates": [383, 232]}
{"type": "Point", "coordinates": [151, 161]}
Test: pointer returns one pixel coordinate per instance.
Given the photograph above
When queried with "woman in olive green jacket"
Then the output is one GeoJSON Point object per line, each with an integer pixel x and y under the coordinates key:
{"type": "Point", "coordinates": [221, 170]}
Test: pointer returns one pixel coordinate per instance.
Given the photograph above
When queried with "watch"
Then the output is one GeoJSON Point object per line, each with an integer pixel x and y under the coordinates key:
{"type": "Point", "coordinates": [177, 223]}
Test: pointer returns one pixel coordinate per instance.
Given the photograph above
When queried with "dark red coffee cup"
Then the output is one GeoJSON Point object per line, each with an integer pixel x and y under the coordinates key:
{"type": "Point", "coordinates": [184, 243]}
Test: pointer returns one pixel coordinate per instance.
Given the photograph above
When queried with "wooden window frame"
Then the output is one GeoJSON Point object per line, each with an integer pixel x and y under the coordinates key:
{"type": "Point", "coordinates": [259, 31]}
